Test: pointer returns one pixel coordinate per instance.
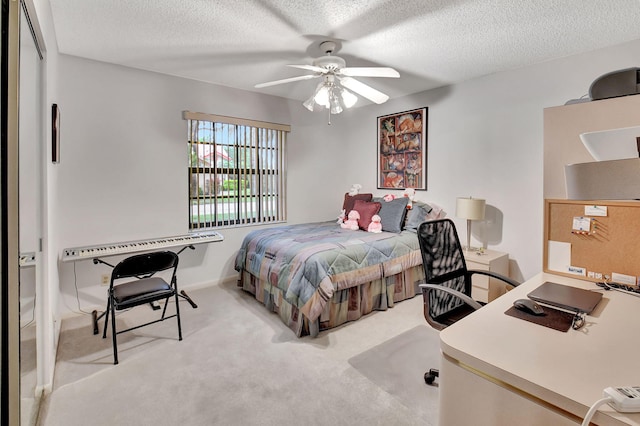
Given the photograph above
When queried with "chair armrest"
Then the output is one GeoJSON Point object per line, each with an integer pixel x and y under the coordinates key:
{"type": "Point", "coordinates": [511, 282]}
{"type": "Point", "coordinates": [466, 299]}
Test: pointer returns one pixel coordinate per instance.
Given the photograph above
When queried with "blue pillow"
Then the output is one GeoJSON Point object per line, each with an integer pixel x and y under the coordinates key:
{"type": "Point", "coordinates": [392, 213]}
{"type": "Point", "coordinates": [417, 215]}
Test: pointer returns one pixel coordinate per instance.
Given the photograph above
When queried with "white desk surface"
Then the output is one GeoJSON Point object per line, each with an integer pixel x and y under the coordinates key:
{"type": "Point", "coordinates": [568, 370]}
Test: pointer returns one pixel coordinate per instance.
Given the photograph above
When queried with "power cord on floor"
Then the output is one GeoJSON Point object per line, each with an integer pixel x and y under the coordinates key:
{"type": "Point", "coordinates": [594, 408]}
{"type": "Point", "coordinates": [75, 283]}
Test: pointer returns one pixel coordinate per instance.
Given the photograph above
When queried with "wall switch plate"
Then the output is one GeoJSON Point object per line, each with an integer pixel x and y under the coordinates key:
{"type": "Point", "coordinates": [105, 279]}
{"type": "Point", "coordinates": [27, 259]}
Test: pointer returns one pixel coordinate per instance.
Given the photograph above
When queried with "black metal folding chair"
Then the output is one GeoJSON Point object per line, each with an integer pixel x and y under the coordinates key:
{"type": "Point", "coordinates": [145, 288]}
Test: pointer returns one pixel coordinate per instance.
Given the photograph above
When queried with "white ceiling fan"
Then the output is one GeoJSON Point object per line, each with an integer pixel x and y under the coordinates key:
{"type": "Point", "coordinates": [337, 77]}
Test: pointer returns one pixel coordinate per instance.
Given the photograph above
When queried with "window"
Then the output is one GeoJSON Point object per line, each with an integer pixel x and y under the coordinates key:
{"type": "Point", "coordinates": [236, 171]}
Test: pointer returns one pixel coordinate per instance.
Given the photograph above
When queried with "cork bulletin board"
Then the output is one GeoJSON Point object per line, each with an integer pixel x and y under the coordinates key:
{"type": "Point", "coordinates": [600, 245]}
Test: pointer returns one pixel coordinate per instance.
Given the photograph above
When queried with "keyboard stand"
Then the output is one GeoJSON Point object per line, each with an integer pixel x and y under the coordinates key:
{"type": "Point", "coordinates": [154, 305]}
{"type": "Point", "coordinates": [185, 296]}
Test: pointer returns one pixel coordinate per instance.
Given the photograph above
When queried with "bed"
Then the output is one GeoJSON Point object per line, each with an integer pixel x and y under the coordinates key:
{"type": "Point", "coordinates": [317, 276]}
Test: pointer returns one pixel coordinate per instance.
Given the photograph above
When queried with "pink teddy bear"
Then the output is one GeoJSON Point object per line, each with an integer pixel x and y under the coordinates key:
{"type": "Point", "coordinates": [375, 226]}
{"type": "Point", "coordinates": [352, 220]}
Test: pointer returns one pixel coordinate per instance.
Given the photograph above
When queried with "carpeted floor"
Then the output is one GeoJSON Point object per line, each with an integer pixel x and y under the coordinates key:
{"type": "Point", "coordinates": [238, 364]}
{"type": "Point", "coordinates": [398, 366]}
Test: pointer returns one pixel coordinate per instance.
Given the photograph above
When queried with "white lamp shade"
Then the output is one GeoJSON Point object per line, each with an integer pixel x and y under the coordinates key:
{"type": "Point", "coordinates": [322, 97]}
{"type": "Point", "coordinates": [348, 98]}
{"type": "Point", "coordinates": [308, 104]}
{"type": "Point", "coordinates": [334, 103]}
{"type": "Point", "coordinates": [470, 208]}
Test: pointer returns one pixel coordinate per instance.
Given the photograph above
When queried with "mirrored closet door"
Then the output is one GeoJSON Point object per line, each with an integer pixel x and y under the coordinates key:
{"type": "Point", "coordinates": [30, 134]}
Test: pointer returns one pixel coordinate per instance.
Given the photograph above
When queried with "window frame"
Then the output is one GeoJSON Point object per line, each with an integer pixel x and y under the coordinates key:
{"type": "Point", "coordinates": [262, 146]}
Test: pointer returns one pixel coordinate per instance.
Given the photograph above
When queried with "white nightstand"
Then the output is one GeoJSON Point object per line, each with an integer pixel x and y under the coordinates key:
{"type": "Point", "coordinates": [486, 289]}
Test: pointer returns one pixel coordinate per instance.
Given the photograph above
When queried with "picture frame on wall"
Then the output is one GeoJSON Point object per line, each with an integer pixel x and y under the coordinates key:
{"type": "Point", "coordinates": [402, 150]}
{"type": "Point", "coordinates": [55, 133]}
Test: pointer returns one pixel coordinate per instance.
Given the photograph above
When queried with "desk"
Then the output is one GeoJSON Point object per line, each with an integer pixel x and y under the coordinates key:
{"type": "Point", "coordinates": [500, 370]}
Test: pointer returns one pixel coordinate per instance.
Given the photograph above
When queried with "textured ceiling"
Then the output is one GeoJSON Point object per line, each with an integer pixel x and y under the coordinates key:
{"type": "Point", "coordinates": [239, 43]}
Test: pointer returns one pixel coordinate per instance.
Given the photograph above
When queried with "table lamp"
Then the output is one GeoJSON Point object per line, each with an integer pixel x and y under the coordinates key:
{"type": "Point", "coordinates": [470, 209]}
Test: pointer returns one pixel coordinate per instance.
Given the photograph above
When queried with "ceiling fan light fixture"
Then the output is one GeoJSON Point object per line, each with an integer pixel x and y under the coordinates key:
{"type": "Point", "coordinates": [348, 98]}
{"type": "Point", "coordinates": [331, 95]}
{"type": "Point", "coordinates": [336, 77]}
{"type": "Point", "coordinates": [308, 104]}
{"type": "Point", "coordinates": [334, 103]}
{"type": "Point", "coordinates": [322, 96]}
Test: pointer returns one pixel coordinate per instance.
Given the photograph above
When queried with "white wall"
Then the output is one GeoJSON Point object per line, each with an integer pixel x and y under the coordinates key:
{"type": "Point", "coordinates": [122, 174]}
{"type": "Point", "coordinates": [47, 290]}
{"type": "Point", "coordinates": [123, 169]}
{"type": "Point", "coordinates": [485, 139]}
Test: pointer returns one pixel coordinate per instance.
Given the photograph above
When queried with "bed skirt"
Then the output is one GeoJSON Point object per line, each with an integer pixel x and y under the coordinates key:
{"type": "Point", "coordinates": [346, 305]}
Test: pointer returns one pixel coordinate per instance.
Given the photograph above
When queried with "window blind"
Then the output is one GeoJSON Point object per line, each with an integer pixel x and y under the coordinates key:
{"type": "Point", "coordinates": [236, 171]}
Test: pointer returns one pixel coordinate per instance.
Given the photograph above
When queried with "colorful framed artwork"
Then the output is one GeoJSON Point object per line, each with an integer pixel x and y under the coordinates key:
{"type": "Point", "coordinates": [402, 150]}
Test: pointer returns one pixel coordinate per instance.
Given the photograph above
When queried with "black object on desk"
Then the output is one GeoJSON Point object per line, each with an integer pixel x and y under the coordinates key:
{"type": "Point", "coordinates": [552, 318]}
{"type": "Point", "coordinates": [566, 297]}
{"type": "Point", "coordinates": [529, 306]}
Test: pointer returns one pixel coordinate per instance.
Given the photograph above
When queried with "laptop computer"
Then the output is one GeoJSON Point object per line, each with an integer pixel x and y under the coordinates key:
{"type": "Point", "coordinates": [566, 297]}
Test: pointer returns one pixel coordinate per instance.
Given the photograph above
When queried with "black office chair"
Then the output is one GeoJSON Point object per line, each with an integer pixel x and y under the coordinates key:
{"type": "Point", "coordinates": [447, 291]}
{"type": "Point", "coordinates": [146, 288]}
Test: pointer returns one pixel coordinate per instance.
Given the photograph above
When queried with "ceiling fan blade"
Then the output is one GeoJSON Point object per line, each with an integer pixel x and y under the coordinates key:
{"type": "Point", "coordinates": [369, 72]}
{"type": "Point", "coordinates": [364, 90]}
{"type": "Point", "coordinates": [310, 68]}
{"type": "Point", "coordinates": [286, 80]}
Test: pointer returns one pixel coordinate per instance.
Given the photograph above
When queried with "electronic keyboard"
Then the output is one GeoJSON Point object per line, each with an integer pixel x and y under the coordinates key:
{"type": "Point", "coordinates": [89, 252]}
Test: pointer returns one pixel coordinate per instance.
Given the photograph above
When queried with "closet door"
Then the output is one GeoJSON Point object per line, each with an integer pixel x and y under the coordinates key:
{"type": "Point", "coordinates": [9, 221]}
{"type": "Point", "coordinates": [31, 146]}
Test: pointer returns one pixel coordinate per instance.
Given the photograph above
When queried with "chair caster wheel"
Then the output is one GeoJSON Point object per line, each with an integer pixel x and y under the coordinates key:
{"type": "Point", "coordinates": [430, 376]}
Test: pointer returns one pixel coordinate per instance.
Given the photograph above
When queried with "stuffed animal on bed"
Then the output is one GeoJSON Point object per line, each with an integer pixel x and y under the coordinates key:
{"type": "Point", "coordinates": [342, 217]}
{"type": "Point", "coordinates": [352, 221]}
{"type": "Point", "coordinates": [375, 226]}
{"type": "Point", "coordinates": [410, 193]}
{"type": "Point", "coordinates": [355, 189]}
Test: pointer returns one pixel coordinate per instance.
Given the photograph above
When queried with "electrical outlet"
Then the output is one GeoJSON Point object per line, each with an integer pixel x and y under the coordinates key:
{"type": "Point", "coordinates": [105, 279]}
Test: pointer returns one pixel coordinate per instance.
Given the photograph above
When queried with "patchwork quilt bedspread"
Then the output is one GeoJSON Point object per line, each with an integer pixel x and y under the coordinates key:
{"type": "Point", "coordinates": [309, 262]}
